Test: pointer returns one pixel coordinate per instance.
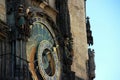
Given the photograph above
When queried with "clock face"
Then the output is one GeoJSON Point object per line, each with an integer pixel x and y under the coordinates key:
{"type": "Point", "coordinates": [43, 37]}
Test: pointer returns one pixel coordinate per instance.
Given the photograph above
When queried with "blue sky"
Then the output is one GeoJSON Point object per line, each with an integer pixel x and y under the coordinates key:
{"type": "Point", "coordinates": [105, 25]}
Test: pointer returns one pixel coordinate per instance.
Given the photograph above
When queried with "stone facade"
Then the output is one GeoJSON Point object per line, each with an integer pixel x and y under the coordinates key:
{"type": "Point", "coordinates": [68, 20]}
{"type": "Point", "coordinates": [78, 29]}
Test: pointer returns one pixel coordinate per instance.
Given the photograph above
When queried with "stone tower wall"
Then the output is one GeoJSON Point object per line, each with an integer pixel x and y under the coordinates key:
{"type": "Point", "coordinates": [78, 29]}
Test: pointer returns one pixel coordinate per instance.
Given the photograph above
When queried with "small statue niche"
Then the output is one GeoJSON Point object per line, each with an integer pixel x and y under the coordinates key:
{"type": "Point", "coordinates": [22, 24]}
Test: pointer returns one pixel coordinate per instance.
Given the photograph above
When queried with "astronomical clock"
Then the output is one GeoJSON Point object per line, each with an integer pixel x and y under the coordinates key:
{"type": "Point", "coordinates": [42, 49]}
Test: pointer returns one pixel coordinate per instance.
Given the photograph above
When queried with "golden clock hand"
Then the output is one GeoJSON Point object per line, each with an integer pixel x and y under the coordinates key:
{"type": "Point", "coordinates": [51, 61]}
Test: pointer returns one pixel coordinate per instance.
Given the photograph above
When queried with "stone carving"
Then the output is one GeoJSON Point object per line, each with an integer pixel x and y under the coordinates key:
{"type": "Point", "coordinates": [91, 64]}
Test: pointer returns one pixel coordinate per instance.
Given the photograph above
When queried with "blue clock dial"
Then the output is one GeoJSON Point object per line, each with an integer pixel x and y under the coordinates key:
{"type": "Point", "coordinates": [39, 32]}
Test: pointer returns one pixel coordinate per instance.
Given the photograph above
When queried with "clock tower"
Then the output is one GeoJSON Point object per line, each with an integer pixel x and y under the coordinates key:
{"type": "Point", "coordinates": [45, 40]}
